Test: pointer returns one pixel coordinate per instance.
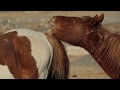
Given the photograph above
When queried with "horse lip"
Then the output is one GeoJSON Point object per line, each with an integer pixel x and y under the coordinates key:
{"type": "Point", "coordinates": [51, 22]}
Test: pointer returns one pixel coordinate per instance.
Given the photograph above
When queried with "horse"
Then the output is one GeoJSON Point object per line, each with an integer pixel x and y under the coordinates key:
{"type": "Point", "coordinates": [29, 54]}
{"type": "Point", "coordinates": [87, 32]}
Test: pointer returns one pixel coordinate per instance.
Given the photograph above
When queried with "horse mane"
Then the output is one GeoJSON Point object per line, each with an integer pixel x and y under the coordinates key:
{"type": "Point", "coordinates": [108, 51]}
{"type": "Point", "coordinates": [59, 68]}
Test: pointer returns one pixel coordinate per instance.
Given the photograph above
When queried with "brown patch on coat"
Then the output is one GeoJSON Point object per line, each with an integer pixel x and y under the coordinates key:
{"type": "Point", "coordinates": [15, 52]}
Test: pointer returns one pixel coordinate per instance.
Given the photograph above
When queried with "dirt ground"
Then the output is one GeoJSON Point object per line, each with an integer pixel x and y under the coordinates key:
{"type": "Point", "coordinates": [82, 65]}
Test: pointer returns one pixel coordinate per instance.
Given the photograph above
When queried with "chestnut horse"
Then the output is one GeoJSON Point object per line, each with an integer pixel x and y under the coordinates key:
{"type": "Point", "coordinates": [87, 32]}
{"type": "Point", "coordinates": [28, 54]}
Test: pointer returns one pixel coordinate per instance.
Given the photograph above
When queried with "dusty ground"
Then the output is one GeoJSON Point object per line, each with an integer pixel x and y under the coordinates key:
{"type": "Point", "coordinates": [82, 65]}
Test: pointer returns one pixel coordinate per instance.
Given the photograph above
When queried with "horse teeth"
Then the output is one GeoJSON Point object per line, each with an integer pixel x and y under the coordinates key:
{"type": "Point", "coordinates": [53, 18]}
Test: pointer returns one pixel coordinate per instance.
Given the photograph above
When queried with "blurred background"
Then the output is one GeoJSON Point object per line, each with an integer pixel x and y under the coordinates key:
{"type": "Point", "coordinates": [82, 65]}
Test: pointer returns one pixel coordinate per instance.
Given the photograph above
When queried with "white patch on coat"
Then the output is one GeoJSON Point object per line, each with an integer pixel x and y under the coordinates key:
{"type": "Point", "coordinates": [42, 50]}
{"type": "Point", "coordinates": [5, 73]}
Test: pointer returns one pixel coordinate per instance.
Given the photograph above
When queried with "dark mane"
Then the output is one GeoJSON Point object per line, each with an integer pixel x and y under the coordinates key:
{"type": "Point", "coordinates": [108, 51]}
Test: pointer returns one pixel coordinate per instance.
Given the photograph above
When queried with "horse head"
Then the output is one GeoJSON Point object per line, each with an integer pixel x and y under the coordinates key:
{"type": "Point", "coordinates": [75, 30]}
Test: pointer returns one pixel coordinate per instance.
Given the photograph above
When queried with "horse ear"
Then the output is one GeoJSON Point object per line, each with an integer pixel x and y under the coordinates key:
{"type": "Point", "coordinates": [100, 18]}
{"type": "Point", "coordinates": [94, 21]}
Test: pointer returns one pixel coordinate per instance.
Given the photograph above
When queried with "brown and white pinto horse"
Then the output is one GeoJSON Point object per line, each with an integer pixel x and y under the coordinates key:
{"type": "Point", "coordinates": [87, 32]}
{"type": "Point", "coordinates": [28, 54]}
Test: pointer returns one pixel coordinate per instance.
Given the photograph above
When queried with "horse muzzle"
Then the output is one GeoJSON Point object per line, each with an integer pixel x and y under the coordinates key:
{"type": "Point", "coordinates": [51, 22]}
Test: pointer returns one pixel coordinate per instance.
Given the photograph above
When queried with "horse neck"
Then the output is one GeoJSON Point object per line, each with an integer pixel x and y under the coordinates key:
{"type": "Point", "coordinates": [103, 51]}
